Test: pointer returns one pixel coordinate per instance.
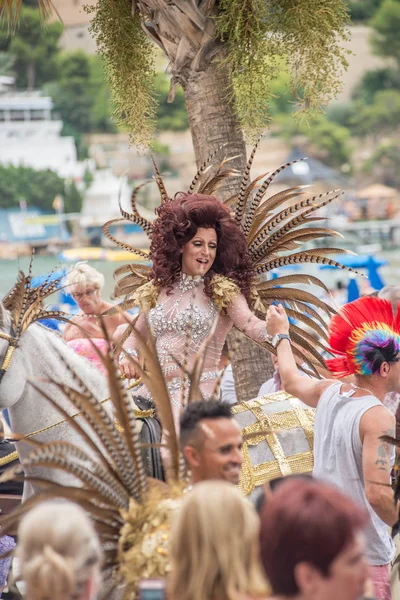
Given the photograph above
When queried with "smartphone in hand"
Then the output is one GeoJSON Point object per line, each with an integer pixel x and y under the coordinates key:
{"type": "Point", "coordinates": [152, 589]}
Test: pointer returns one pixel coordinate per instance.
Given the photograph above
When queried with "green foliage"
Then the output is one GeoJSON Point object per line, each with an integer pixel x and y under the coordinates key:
{"type": "Point", "coordinates": [259, 35]}
{"type": "Point", "coordinates": [171, 116]}
{"type": "Point", "coordinates": [71, 93]}
{"type": "Point", "coordinates": [376, 81]}
{"type": "Point", "coordinates": [384, 164]}
{"type": "Point", "coordinates": [159, 148]}
{"type": "Point", "coordinates": [363, 10]}
{"type": "Point", "coordinates": [282, 98]}
{"type": "Point", "coordinates": [333, 140]}
{"type": "Point", "coordinates": [87, 178]}
{"type": "Point", "coordinates": [386, 25]}
{"type": "Point", "coordinates": [101, 110]}
{"type": "Point", "coordinates": [37, 188]}
{"type": "Point", "coordinates": [342, 114]}
{"type": "Point", "coordinates": [81, 97]}
{"type": "Point", "coordinates": [129, 63]}
{"type": "Point", "coordinates": [383, 115]}
{"type": "Point", "coordinates": [329, 140]}
{"type": "Point", "coordinates": [34, 47]}
{"type": "Point", "coordinates": [6, 64]}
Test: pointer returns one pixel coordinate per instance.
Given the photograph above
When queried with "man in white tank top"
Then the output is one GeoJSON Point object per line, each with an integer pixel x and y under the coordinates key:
{"type": "Point", "coordinates": [350, 417]}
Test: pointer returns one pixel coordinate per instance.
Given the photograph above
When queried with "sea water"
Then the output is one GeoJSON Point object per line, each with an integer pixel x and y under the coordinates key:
{"type": "Point", "coordinates": [43, 264]}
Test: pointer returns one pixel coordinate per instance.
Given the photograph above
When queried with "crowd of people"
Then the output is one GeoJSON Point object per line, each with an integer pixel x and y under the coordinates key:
{"type": "Point", "coordinates": [317, 537]}
{"type": "Point", "coordinates": [307, 537]}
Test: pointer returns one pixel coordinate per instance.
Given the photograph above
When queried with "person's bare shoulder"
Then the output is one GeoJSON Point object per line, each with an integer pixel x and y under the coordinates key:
{"type": "Point", "coordinates": [379, 420]}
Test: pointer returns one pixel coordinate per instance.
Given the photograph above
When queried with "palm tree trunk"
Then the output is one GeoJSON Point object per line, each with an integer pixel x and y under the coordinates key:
{"type": "Point", "coordinates": [30, 76]}
{"type": "Point", "coordinates": [213, 123]}
{"type": "Point", "coordinates": [211, 118]}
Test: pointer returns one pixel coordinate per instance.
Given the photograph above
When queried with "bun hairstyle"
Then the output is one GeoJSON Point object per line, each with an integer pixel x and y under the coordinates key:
{"type": "Point", "coordinates": [177, 223]}
{"type": "Point", "coordinates": [59, 551]}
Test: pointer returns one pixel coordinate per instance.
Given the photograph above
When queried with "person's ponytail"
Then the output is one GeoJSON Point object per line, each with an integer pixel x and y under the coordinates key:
{"type": "Point", "coordinates": [49, 575]}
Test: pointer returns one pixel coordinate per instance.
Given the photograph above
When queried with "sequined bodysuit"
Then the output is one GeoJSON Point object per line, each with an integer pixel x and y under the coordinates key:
{"type": "Point", "coordinates": [188, 306]}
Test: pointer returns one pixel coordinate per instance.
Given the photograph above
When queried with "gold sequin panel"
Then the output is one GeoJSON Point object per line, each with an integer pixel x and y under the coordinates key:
{"type": "Point", "coordinates": [285, 443]}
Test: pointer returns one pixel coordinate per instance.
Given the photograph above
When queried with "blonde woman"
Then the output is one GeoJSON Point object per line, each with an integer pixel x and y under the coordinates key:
{"type": "Point", "coordinates": [215, 547]}
{"type": "Point", "coordinates": [59, 553]}
{"type": "Point", "coordinates": [85, 285]}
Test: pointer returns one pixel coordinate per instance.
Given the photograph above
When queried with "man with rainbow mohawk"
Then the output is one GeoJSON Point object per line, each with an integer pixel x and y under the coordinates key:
{"type": "Point", "coordinates": [350, 417]}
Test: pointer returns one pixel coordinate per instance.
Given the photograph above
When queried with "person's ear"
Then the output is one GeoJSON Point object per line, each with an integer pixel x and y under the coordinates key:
{"type": "Point", "coordinates": [307, 578]}
{"type": "Point", "coordinates": [384, 369]}
{"type": "Point", "coordinates": [191, 455]}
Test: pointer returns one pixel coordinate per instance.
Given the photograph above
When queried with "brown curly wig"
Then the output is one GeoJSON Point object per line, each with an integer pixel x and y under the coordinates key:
{"type": "Point", "coordinates": [177, 223]}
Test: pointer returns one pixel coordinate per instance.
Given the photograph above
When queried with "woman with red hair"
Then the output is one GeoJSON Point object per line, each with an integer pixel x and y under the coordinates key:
{"type": "Point", "coordinates": [200, 286]}
{"type": "Point", "coordinates": [312, 543]}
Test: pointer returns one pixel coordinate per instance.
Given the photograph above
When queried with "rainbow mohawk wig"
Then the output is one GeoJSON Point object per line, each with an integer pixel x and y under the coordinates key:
{"type": "Point", "coordinates": [357, 334]}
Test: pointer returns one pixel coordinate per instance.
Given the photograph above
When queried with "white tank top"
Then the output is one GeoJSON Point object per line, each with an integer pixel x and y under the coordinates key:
{"type": "Point", "coordinates": [338, 459]}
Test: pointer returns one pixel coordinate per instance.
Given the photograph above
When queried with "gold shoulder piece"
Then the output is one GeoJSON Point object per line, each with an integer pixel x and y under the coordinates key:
{"type": "Point", "coordinates": [255, 301]}
{"type": "Point", "coordinates": [224, 291]}
{"type": "Point", "coordinates": [146, 296]}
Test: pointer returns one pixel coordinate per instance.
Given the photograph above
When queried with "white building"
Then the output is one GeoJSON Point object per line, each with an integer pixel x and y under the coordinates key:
{"type": "Point", "coordinates": [30, 137]}
{"type": "Point", "coordinates": [102, 199]}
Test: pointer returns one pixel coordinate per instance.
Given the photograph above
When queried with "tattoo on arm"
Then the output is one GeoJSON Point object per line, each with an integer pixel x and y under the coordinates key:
{"type": "Point", "coordinates": [383, 452]}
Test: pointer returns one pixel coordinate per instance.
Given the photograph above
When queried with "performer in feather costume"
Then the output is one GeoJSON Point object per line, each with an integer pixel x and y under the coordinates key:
{"type": "Point", "coordinates": [209, 266]}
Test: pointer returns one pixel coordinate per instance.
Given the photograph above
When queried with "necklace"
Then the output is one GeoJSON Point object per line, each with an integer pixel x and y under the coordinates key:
{"type": "Point", "coordinates": [357, 387]}
{"type": "Point", "coordinates": [186, 282]}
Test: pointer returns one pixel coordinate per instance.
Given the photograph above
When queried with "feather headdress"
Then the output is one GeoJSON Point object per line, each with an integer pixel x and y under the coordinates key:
{"type": "Point", "coordinates": [360, 329]}
{"type": "Point", "coordinates": [275, 228]}
{"type": "Point", "coordinates": [25, 301]}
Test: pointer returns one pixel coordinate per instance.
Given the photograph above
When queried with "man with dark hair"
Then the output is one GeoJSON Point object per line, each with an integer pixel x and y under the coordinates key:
{"type": "Point", "coordinates": [211, 441]}
{"type": "Point", "coordinates": [350, 417]}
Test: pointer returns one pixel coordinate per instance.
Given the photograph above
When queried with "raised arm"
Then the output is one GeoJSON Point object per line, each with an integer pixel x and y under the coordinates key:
{"type": "Point", "coordinates": [306, 389]}
{"type": "Point", "coordinates": [376, 422]}
{"type": "Point", "coordinates": [246, 321]}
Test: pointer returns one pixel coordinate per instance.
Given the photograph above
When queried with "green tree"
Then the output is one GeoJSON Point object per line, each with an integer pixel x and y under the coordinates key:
{"type": "Point", "coordinates": [386, 24]}
{"type": "Point", "coordinates": [35, 48]}
{"type": "Point", "coordinates": [384, 164]}
{"type": "Point", "coordinates": [71, 92]}
{"type": "Point", "coordinates": [333, 140]}
{"type": "Point", "coordinates": [380, 117]}
{"type": "Point", "coordinates": [37, 188]}
{"type": "Point", "coordinates": [330, 141]}
{"type": "Point", "coordinates": [363, 10]}
{"type": "Point", "coordinates": [102, 108]}
{"type": "Point", "coordinates": [376, 81]}
{"type": "Point", "coordinates": [81, 97]}
{"type": "Point", "coordinates": [171, 116]}
{"type": "Point", "coordinates": [6, 64]}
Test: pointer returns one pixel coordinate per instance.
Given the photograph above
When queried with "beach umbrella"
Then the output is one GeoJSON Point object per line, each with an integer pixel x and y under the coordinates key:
{"type": "Point", "coordinates": [352, 290]}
